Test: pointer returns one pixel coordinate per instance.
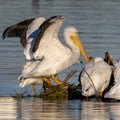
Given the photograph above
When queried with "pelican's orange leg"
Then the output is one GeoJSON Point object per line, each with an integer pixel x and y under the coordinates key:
{"type": "Point", "coordinates": [101, 93]}
{"type": "Point", "coordinates": [34, 89]}
{"type": "Point", "coordinates": [58, 82]}
{"type": "Point", "coordinates": [47, 80]}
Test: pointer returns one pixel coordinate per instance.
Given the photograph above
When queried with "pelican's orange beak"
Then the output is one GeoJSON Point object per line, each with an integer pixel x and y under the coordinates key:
{"type": "Point", "coordinates": [77, 42]}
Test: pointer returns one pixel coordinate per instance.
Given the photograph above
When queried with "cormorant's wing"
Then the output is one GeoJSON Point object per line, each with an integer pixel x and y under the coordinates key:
{"type": "Point", "coordinates": [18, 30]}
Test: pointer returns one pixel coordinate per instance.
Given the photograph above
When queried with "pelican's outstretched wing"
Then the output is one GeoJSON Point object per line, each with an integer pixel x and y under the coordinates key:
{"type": "Point", "coordinates": [18, 30]}
{"type": "Point", "coordinates": [48, 36]}
{"type": "Point", "coordinates": [28, 31]}
{"type": "Point", "coordinates": [43, 28]}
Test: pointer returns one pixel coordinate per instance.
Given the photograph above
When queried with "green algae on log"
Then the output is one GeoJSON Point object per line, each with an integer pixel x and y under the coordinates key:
{"type": "Point", "coordinates": [63, 91]}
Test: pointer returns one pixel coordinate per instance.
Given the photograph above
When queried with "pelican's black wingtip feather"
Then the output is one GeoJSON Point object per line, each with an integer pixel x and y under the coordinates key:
{"type": "Point", "coordinates": [4, 35]}
{"type": "Point", "coordinates": [9, 32]}
{"type": "Point", "coordinates": [17, 30]}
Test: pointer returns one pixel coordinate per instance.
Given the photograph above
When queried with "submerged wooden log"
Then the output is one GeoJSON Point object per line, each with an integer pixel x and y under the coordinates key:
{"type": "Point", "coordinates": [63, 91]}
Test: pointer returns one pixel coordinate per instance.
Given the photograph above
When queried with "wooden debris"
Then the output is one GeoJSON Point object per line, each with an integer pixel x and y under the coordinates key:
{"type": "Point", "coordinates": [63, 91]}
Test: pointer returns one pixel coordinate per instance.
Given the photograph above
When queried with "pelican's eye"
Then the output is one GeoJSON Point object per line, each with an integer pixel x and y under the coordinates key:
{"type": "Point", "coordinates": [76, 33]}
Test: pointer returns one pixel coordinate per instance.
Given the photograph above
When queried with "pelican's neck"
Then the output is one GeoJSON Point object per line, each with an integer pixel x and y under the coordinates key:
{"type": "Point", "coordinates": [72, 46]}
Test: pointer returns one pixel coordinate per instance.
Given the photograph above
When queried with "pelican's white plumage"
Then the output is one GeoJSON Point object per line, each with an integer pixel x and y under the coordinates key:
{"type": "Point", "coordinates": [99, 72]}
{"type": "Point", "coordinates": [27, 81]}
{"type": "Point", "coordinates": [32, 80]}
{"type": "Point", "coordinates": [55, 55]}
{"type": "Point", "coordinates": [114, 91]}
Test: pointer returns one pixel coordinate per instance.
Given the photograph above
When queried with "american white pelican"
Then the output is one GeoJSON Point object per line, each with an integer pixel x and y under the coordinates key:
{"type": "Point", "coordinates": [114, 91]}
{"type": "Point", "coordinates": [54, 56]}
{"type": "Point", "coordinates": [95, 77]}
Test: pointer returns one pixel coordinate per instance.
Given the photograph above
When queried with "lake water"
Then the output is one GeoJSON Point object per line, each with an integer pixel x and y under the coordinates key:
{"type": "Point", "coordinates": [98, 22]}
{"type": "Point", "coordinates": [38, 109]}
